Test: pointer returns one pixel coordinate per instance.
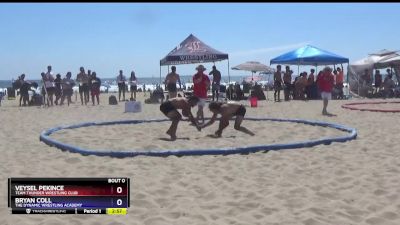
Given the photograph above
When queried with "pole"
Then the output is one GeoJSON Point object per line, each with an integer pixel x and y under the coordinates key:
{"type": "Point", "coordinates": [229, 82]}
{"type": "Point", "coordinates": [160, 74]}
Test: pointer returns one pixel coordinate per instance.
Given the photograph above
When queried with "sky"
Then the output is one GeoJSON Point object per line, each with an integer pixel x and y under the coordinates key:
{"type": "Point", "coordinates": [107, 37]}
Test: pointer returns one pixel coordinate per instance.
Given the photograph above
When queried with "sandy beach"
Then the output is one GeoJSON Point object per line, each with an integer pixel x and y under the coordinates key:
{"type": "Point", "coordinates": [356, 182]}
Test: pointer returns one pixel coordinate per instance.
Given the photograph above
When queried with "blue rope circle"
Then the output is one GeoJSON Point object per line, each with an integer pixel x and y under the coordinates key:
{"type": "Point", "coordinates": [45, 137]}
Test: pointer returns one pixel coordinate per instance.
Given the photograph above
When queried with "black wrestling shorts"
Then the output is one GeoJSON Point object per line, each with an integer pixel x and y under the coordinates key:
{"type": "Point", "coordinates": [133, 87]}
{"type": "Point", "coordinates": [121, 86]}
{"type": "Point", "coordinates": [84, 88]}
{"type": "Point", "coordinates": [277, 85]}
{"type": "Point", "coordinates": [167, 107]}
{"type": "Point", "coordinates": [67, 92]}
{"type": "Point", "coordinates": [241, 111]}
{"type": "Point", "coordinates": [171, 87]}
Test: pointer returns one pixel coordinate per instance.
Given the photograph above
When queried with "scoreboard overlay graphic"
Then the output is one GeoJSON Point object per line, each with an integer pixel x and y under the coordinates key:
{"type": "Point", "coordinates": [69, 195]}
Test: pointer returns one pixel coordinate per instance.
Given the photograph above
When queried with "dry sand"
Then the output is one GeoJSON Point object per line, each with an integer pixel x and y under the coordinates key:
{"type": "Point", "coordinates": [356, 182]}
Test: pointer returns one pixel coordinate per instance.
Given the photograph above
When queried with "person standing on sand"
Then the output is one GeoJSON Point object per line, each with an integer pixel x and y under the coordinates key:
{"type": "Point", "coordinates": [95, 87]}
{"type": "Point", "coordinates": [121, 85]}
{"type": "Point", "coordinates": [58, 90]}
{"type": "Point", "coordinates": [277, 83]}
{"type": "Point", "coordinates": [215, 82]}
{"type": "Point", "coordinates": [49, 85]}
{"type": "Point", "coordinates": [325, 84]}
{"type": "Point", "coordinates": [133, 83]}
{"type": "Point", "coordinates": [83, 81]}
{"type": "Point", "coordinates": [201, 83]}
{"type": "Point", "coordinates": [170, 109]}
{"type": "Point", "coordinates": [287, 80]}
{"type": "Point", "coordinates": [170, 83]}
{"type": "Point", "coordinates": [227, 111]}
{"type": "Point", "coordinates": [67, 84]}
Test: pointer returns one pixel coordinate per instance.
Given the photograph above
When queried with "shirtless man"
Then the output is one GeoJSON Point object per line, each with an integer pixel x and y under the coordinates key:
{"type": "Point", "coordinates": [287, 80]}
{"type": "Point", "coordinates": [170, 82]}
{"type": "Point", "coordinates": [48, 80]}
{"type": "Point", "coordinates": [170, 109]}
{"type": "Point", "coordinates": [83, 81]}
{"type": "Point", "coordinates": [67, 83]}
{"type": "Point", "coordinates": [227, 111]}
{"type": "Point", "coordinates": [278, 83]}
{"type": "Point", "coordinates": [215, 82]}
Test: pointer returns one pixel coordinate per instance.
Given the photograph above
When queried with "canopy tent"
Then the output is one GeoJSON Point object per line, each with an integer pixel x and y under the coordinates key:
{"type": "Point", "coordinates": [379, 60]}
{"type": "Point", "coordinates": [193, 50]}
{"type": "Point", "coordinates": [309, 55]}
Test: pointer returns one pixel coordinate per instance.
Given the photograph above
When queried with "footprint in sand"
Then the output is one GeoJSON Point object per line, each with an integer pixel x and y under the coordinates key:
{"type": "Point", "coordinates": [73, 160]}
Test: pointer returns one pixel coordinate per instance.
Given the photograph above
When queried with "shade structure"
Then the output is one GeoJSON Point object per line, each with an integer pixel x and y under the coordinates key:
{"type": "Point", "coordinates": [389, 61]}
{"type": "Point", "coordinates": [384, 52]}
{"type": "Point", "coordinates": [253, 66]}
{"type": "Point", "coordinates": [379, 60]}
{"type": "Point", "coordinates": [192, 50]}
{"type": "Point", "coordinates": [309, 55]}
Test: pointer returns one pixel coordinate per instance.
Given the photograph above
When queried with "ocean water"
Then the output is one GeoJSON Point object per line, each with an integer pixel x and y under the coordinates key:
{"type": "Point", "coordinates": [141, 80]}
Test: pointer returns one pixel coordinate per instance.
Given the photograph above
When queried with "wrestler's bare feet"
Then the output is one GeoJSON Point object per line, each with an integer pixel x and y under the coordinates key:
{"type": "Point", "coordinates": [173, 136]}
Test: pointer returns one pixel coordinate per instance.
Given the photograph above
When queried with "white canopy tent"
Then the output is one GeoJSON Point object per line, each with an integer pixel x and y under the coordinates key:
{"type": "Point", "coordinates": [356, 70]}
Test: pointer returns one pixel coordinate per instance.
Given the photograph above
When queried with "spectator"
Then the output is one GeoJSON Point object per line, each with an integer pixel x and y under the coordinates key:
{"type": "Point", "coordinates": [378, 81]}
{"type": "Point", "coordinates": [133, 83]}
{"type": "Point", "coordinates": [83, 80]}
{"type": "Point", "coordinates": [121, 85]}
{"type": "Point", "coordinates": [339, 82]}
{"type": "Point", "coordinates": [216, 82]}
{"type": "Point", "coordinates": [325, 84]}
{"type": "Point", "coordinates": [95, 87]}
{"type": "Point", "coordinates": [277, 83]}
{"type": "Point", "coordinates": [170, 83]}
{"type": "Point", "coordinates": [201, 83]}
{"type": "Point", "coordinates": [67, 84]}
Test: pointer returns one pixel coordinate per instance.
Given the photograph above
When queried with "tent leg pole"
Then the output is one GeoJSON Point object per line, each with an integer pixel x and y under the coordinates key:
{"type": "Point", "coordinates": [160, 74]}
{"type": "Point", "coordinates": [229, 83]}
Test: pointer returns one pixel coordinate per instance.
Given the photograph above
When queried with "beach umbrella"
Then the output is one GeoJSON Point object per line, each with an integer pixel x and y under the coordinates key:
{"type": "Point", "coordinates": [254, 67]}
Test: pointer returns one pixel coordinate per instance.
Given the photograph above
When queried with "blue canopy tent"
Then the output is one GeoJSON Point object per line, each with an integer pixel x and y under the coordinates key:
{"type": "Point", "coordinates": [190, 51]}
{"type": "Point", "coordinates": [309, 55]}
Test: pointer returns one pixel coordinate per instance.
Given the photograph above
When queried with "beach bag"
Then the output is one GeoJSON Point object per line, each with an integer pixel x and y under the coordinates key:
{"type": "Point", "coordinates": [112, 100]}
{"type": "Point", "coordinates": [37, 100]}
{"type": "Point", "coordinates": [10, 93]}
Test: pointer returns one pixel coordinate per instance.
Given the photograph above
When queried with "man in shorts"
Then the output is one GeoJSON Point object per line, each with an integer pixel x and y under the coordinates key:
{"type": "Point", "coordinates": [83, 79]}
{"type": "Point", "coordinates": [277, 83]}
{"type": "Point", "coordinates": [201, 84]}
{"type": "Point", "coordinates": [170, 83]}
{"type": "Point", "coordinates": [48, 80]}
{"type": "Point", "coordinates": [325, 84]}
{"type": "Point", "coordinates": [216, 82]}
{"type": "Point", "coordinates": [95, 87]}
{"type": "Point", "coordinates": [121, 85]}
{"type": "Point", "coordinates": [67, 83]}
{"type": "Point", "coordinates": [227, 111]}
{"type": "Point", "coordinates": [170, 109]}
